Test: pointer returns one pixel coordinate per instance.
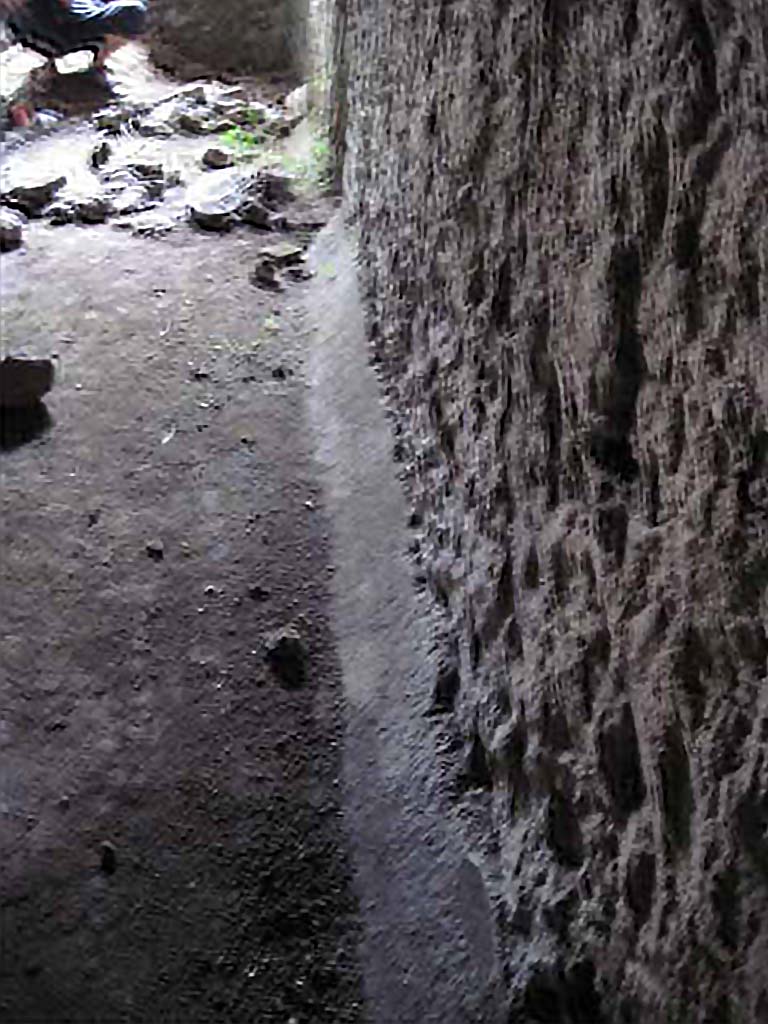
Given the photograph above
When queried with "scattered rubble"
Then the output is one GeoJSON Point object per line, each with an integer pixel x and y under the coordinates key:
{"type": "Point", "coordinates": [223, 197]}
{"type": "Point", "coordinates": [228, 193]}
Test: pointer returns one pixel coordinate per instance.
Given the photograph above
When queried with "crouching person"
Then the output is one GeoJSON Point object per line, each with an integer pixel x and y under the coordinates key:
{"type": "Point", "coordinates": [55, 28]}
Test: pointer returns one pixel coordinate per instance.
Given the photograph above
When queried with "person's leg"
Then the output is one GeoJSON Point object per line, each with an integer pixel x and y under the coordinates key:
{"type": "Point", "coordinates": [22, 111]}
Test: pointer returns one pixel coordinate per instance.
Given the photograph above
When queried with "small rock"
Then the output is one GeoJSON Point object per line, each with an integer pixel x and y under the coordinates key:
{"type": "Point", "coordinates": [297, 102]}
{"type": "Point", "coordinates": [287, 656]}
{"type": "Point", "coordinates": [276, 188]}
{"type": "Point", "coordinates": [299, 273]}
{"type": "Point", "coordinates": [153, 129]}
{"type": "Point", "coordinates": [11, 230]}
{"type": "Point", "coordinates": [156, 550]}
{"type": "Point", "coordinates": [118, 177]}
{"type": "Point", "coordinates": [173, 178]}
{"type": "Point", "coordinates": [149, 177]}
{"type": "Point", "coordinates": [265, 275]}
{"type": "Point", "coordinates": [152, 226]}
{"type": "Point", "coordinates": [195, 124]}
{"type": "Point", "coordinates": [61, 212]}
{"type": "Point", "coordinates": [278, 222]}
{"type": "Point", "coordinates": [215, 199]}
{"type": "Point", "coordinates": [233, 92]}
{"type": "Point", "coordinates": [101, 155]}
{"type": "Point", "coordinates": [256, 214]}
{"type": "Point", "coordinates": [227, 105]}
{"type": "Point", "coordinates": [112, 119]}
{"type": "Point", "coordinates": [146, 172]}
{"type": "Point", "coordinates": [195, 92]}
{"type": "Point", "coordinates": [217, 159]}
{"type": "Point", "coordinates": [23, 382]}
{"type": "Point", "coordinates": [93, 210]}
{"type": "Point", "coordinates": [283, 254]}
{"type": "Point", "coordinates": [258, 593]}
{"type": "Point", "coordinates": [284, 128]}
{"type": "Point", "coordinates": [34, 194]}
{"type": "Point", "coordinates": [134, 199]}
{"type": "Point", "coordinates": [252, 113]}
{"type": "Point", "coordinates": [108, 859]}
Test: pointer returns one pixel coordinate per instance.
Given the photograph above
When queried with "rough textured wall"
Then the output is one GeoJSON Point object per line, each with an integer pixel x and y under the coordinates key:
{"type": "Point", "coordinates": [238, 36]}
{"type": "Point", "coordinates": [564, 215]}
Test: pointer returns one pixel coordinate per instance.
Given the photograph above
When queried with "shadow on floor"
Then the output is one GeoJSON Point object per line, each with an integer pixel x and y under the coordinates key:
{"type": "Point", "coordinates": [20, 426]}
{"type": "Point", "coordinates": [81, 92]}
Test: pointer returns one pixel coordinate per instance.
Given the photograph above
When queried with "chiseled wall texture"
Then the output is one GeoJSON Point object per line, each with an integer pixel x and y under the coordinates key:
{"type": "Point", "coordinates": [563, 208]}
{"type": "Point", "coordinates": [238, 36]}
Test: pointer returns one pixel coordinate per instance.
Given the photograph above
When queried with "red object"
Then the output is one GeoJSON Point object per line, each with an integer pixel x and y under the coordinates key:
{"type": "Point", "coordinates": [21, 115]}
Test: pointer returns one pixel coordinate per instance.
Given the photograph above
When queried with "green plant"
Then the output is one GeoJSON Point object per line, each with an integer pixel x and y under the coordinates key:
{"type": "Point", "coordinates": [245, 140]}
{"type": "Point", "coordinates": [312, 168]}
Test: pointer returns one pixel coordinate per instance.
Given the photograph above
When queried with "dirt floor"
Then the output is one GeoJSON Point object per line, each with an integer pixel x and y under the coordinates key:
{"type": "Point", "coordinates": [185, 837]}
{"type": "Point", "coordinates": [137, 707]}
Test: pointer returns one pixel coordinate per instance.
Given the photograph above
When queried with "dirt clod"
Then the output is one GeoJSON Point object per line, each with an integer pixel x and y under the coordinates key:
{"type": "Point", "coordinates": [101, 154]}
{"type": "Point", "coordinates": [107, 859]}
{"type": "Point", "coordinates": [156, 550]}
{"type": "Point", "coordinates": [265, 275]}
{"type": "Point", "coordinates": [217, 159]}
{"type": "Point", "coordinates": [287, 656]}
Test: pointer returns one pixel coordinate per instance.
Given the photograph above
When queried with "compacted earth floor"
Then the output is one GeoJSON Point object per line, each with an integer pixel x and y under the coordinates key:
{"type": "Point", "coordinates": [170, 822]}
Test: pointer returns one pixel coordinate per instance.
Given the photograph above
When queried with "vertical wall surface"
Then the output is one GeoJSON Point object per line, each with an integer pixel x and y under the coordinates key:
{"type": "Point", "coordinates": [238, 36]}
{"type": "Point", "coordinates": [563, 210]}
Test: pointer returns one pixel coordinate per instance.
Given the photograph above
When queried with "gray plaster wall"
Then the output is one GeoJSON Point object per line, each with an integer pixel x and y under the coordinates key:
{"type": "Point", "coordinates": [563, 209]}
{"type": "Point", "coordinates": [236, 36]}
